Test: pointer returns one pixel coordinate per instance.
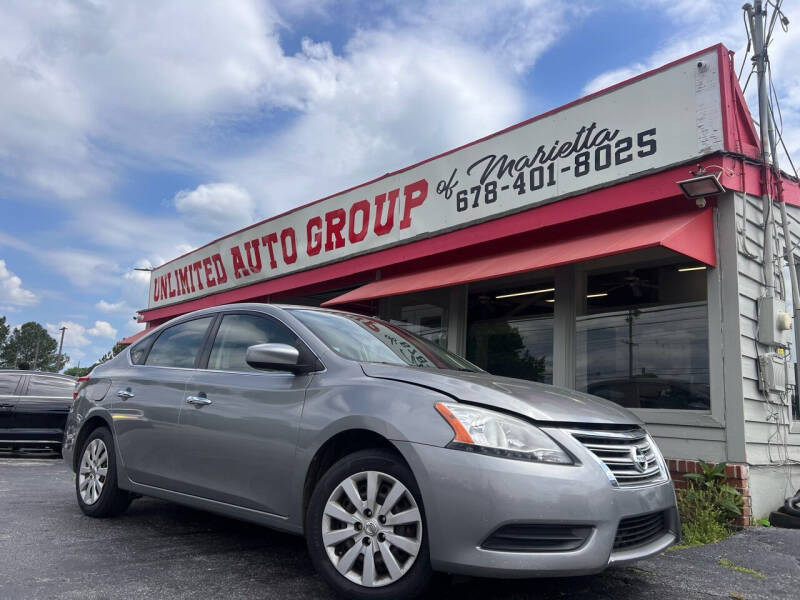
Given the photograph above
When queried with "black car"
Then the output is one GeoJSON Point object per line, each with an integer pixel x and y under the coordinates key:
{"type": "Point", "coordinates": [34, 408]}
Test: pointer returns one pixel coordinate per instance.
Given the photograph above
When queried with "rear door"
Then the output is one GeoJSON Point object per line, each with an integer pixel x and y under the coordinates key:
{"type": "Point", "coordinates": [41, 411]}
{"type": "Point", "coordinates": [10, 385]}
{"type": "Point", "coordinates": [147, 399]}
{"type": "Point", "coordinates": [236, 441]}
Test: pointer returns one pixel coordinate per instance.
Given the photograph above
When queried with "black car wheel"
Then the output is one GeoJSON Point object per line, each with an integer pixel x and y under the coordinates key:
{"type": "Point", "coordinates": [365, 528]}
{"type": "Point", "coordinates": [96, 480]}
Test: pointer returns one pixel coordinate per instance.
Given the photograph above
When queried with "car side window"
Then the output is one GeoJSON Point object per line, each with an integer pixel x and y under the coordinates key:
{"type": "Point", "coordinates": [8, 384]}
{"type": "Point", "coordinates": [139, 351]}
{"type": "Point", "coordinates": [179, 345]}
{"type": "Point", "coordinates": [50, 387]}
{"type": "Point", "coordinates": [238, 332]}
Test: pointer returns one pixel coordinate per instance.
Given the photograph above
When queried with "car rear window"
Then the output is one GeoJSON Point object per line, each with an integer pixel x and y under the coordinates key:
{"type": "Point", "coordinates": [52, 387]}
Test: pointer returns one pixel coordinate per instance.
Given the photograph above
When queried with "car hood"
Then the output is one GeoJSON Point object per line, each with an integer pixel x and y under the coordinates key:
{"type": "Point", "coordinates": [537, 401]}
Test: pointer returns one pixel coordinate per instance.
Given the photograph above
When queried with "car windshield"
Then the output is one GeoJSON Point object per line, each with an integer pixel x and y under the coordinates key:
{"type": "Point", "coordinates": [366, 339]}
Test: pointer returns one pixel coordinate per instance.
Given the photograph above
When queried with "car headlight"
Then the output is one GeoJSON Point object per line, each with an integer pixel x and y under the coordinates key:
{"type": "Point", "coordinates": [489, 432]}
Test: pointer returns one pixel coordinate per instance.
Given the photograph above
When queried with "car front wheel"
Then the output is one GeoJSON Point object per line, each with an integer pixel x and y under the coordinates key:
{"type": "Point", "coordinates": [96, 480]}
{"type": "Point", "coordinates": [365, 528]}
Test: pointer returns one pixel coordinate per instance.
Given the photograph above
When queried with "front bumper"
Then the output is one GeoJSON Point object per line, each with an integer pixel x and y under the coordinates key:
{"type": "Point", "coordinates": [468, 496]}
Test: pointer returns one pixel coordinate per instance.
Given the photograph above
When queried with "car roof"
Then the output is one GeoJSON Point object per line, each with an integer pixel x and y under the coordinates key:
{"type": "Point", "coordinates": [29, 372]}
{"type": "Point", "coordinates": [252, 306]}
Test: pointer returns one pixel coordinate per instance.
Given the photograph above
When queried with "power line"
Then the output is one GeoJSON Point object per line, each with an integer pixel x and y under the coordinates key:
{"type": "Point", "coordinates": [744, 89]}
{"type": "Point", "coordinates": [749, 45]}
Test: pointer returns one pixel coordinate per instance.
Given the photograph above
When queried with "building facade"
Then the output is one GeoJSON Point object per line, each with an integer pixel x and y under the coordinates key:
{"type": "Point", "coordinates": [563, 250]}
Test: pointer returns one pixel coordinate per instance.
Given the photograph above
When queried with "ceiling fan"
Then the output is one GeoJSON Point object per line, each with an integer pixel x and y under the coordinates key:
{"type": "Point", "coordinates": [636, 284]}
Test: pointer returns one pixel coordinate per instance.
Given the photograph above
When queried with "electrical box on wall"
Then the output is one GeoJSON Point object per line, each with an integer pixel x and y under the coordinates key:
{"type": "Point", "coordinates": [774, 323]}
{"type": "Point", "coordinates": [771, 373]}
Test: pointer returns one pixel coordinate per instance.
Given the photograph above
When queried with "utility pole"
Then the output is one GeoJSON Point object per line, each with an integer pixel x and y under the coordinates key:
{"type": "Point", "coordinates": [756, 18]}
{"type": "Point", "coordinates": [769, 155]}
{"type": "Point", "coordinates": [61, 343]}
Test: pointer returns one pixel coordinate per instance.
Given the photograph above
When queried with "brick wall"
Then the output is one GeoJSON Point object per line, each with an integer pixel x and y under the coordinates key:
{"type": "Point", "coordinates": [738, 478]}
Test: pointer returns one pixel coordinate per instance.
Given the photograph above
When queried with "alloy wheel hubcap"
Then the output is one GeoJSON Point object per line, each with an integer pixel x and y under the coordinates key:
{"type": "Point", "coordinates": [93, 471]}
{"type": "Point", "coordinates": [372, 529]}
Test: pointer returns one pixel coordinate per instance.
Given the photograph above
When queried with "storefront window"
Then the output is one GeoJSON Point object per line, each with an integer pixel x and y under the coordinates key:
{"type": "Point", "coordinates": [510, 329]}
{"type": "Point", "coordinates": [423, 313]}
{"type": "Point", "coordinates": [642, 340]}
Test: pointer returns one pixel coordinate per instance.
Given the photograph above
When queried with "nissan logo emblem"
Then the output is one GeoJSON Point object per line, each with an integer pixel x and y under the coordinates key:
{"type": "Point", "coordinates": [639, 459]}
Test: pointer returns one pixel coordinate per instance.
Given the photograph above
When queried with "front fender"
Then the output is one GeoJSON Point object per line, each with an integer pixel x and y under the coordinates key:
{"type": "Point", "coordinates": [397, 411]}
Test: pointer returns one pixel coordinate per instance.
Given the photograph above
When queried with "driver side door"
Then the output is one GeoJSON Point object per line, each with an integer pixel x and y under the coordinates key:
{"type": "Point", "coordinates": [238, 425]}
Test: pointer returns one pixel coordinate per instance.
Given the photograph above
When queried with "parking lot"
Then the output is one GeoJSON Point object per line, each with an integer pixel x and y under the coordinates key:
{"type": "Point", "coordinates": [161, 550]}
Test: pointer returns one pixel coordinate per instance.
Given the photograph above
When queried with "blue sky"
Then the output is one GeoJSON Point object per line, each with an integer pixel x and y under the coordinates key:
{"type": "Point", "coordinates": [133, 132]}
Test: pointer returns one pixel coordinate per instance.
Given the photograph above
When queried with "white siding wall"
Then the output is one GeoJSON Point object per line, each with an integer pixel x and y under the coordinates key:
{"type": "Point", "coordinates": [770, 438]}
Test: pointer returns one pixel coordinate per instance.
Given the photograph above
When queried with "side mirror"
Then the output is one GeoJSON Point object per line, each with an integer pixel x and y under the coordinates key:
{"type": "Point", "coordinates": [278, 357]}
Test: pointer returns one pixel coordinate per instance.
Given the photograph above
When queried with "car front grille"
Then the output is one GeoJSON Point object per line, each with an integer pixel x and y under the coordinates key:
{"type": "Point", "coordinates": [629, 454]}
{"type": "Point", "coordinates": [534, 537]}
{"type": "Point", "coordinates": [639, 530]}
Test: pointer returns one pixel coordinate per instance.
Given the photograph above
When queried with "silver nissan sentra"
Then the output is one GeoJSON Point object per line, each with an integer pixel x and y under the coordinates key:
{"type": "Point", "coordinates": [392, 456]}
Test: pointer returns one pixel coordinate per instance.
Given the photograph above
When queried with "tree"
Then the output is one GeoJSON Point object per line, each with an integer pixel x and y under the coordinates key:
{"type": "Point", "coordinates": [30, 343]}
{"type": "Point", "coordinates": [78, 371]}
{"type": "Point", "coordinates": [506, 353]}
{"type": "Point", "coordinates": [111, 354]}
{"type": "Point", "coordinates": [3, 331]}
{"type": "Point", "coordinates": [84, 371]}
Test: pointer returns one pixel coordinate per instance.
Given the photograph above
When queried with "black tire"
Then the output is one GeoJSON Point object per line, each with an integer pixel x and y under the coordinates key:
{"type": "Point", "coordinates": [782, 520]}
{"type": "Point", "coordinates": [111, 501]}
{"type": "Point", "coordinates": [792, 506]}
{"type": "Point", "coordinates": [417, 579]}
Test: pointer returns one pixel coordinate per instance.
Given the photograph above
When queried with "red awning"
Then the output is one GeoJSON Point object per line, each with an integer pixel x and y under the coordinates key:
{"type": "Point", "coordinates": [690, 234]}
{"type": "Point", "coordinates": [134, 337]}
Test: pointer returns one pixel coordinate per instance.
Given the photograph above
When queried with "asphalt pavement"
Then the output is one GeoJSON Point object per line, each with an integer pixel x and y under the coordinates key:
{"type": "Point", "coordinates": [159, 550]}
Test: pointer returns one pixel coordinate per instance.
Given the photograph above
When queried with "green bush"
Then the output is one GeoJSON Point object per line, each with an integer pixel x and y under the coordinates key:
{"type": "Point", "coordinates": [708, 506]}
{"type": "Point", "coordinates": [702, 520]}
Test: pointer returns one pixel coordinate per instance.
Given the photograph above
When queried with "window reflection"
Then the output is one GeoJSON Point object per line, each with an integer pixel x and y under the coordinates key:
{"type": "Point", "coordinates": [423, 314]}
{"type": "Point", "coordinates": [644, 340]}
{"type": "Point", "coordinates": [510, 330]}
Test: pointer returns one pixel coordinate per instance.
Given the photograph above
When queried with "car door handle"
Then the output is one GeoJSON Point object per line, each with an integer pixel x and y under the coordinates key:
{"type": "Point", "coordinates": [125, 394]}
{"type": "Point", "coordinates": [197, 401]}
{"type": "Point", "coordinates": [6, 406]}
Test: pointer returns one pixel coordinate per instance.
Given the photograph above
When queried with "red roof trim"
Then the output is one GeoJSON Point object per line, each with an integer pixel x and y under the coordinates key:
{"type": "Point", "coordinates": [132, 338]}
{"type": "Point", "coordinates": [690, 233]}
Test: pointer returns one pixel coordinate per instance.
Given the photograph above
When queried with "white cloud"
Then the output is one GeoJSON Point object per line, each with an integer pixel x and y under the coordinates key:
{"type": "Point", "coordinates": [514, 32]}
{"type": "Point", "coordinates": [113, 307]}
{"type": "Point", "coordinates": [94, 91]}
{"type": "Point", "coordinates": [11, 290]}
{"type": "Point", "coordinates": [397, 98]}
{"type": "Point", "coordinates": [83, 269]}
{"type": "Point", "coordinates": [132, 327]}
{"type": "Point", "coordinates": [156, 81]}
{"type": "Point", "coordinates": [697, 24]}
{"type": "Point", "coordinates": [102, 329]}
{"type": "Point", "coordinates": [74, 337]}
{"type": "Point", "coordinates": [77, 343]}
{"type": "Point", "coordinates": [216, 207]}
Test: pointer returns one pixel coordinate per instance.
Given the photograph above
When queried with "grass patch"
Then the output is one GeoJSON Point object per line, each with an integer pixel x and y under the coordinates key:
{"type": "Point", "coordinates": [708, 507]}
{"type": "Point", "coordinates": [702, 519]}
{"type": "Point", "coordinates": [639, 571]}
{"type": "Point", "coordinates": [724, 562]}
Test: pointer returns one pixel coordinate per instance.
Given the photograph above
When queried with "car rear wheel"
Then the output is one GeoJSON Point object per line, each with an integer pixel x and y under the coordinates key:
{"type": "Point", "coordinates": [96, 480]}
{"type": "Point", "coordinates": [365, 528]}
